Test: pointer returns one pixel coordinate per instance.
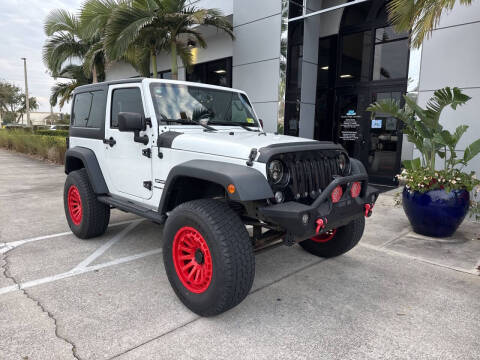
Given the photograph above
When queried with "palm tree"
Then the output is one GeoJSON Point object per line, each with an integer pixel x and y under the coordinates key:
{"type": "Point", "coordinates": [419, 16]}
{"type": "Point", "coordinates": [68, 41]}
{"type": "Point", "coordinates": [62, 92]}
{"type": "Point", "coordinates": [150, 26]}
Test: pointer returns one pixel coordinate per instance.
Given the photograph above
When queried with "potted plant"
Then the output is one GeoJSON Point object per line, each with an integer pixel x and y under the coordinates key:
{"type": "Point", "coordinates": [436, 196]}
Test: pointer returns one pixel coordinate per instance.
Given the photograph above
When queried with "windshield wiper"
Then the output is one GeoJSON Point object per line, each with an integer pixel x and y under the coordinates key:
{"type": "Point", "coordinates": [245, 126]}
{"type": "Point", "coordinates": [190, 121]}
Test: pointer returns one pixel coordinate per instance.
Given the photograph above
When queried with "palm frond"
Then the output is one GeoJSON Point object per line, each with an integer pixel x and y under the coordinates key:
{"type": "Point", "coordinates": [419, 16]}
{"type": "Point", "coordinates": [60, 20]}
{"type": "Point", "coordinates": [60, 48]}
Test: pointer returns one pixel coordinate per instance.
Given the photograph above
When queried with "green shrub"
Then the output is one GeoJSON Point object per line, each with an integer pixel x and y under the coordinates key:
{"type": "Point", "coordinates": [63, 133]}
{"type": "Point", "coordinates": [47, 147]}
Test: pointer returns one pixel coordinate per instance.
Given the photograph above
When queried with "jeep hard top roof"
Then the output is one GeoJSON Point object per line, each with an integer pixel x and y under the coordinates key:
{"type": "Point", "coordinates": [105, 84]}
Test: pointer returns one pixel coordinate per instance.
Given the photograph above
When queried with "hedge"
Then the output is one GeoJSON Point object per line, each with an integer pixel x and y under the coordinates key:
{"type": "Point", "coordinates": [47, 147]}
{"type": "Point", "coordinates": [63, 133]}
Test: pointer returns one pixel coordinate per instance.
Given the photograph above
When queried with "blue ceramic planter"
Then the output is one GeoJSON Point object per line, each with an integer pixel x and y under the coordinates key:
{"type": "Point", "coordinates": [436, 213]}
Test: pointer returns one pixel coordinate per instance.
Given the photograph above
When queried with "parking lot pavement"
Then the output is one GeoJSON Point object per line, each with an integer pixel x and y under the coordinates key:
{"type": "Point", "coordinates": [396, 295]}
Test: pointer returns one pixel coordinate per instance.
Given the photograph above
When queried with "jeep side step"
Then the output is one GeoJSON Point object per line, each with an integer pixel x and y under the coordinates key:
{"type": "Point", "coordinates": [130, 207]}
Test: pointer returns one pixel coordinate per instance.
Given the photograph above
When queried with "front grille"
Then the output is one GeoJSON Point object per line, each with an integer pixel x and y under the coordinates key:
{"type": "Point", "coordinates": [310, 173]}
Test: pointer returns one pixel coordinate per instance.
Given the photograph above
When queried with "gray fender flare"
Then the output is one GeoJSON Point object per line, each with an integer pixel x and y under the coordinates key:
{"type": "Point", "coordinates": [250, 184]}
{"type": "Point", "coordinates": [90, 163]}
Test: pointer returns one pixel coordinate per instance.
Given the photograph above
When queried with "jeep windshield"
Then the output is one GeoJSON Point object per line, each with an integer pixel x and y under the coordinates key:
{"type": "Point", "coordinates": [185, 104]}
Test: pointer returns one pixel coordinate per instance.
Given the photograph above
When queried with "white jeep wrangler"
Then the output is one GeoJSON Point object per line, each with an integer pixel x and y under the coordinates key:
{"type": "Point", "coordinates": [196, 158]}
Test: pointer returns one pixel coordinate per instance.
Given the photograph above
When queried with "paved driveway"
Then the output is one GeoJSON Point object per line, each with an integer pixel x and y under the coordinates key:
{"type": "Point", "coordinates": [396, 295]}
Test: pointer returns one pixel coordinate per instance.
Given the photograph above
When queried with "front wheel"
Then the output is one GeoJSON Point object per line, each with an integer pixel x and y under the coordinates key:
{"type": "Point", "coordinates": [208, 256]}
{"type": "Point", "coordinates": [337, 241]}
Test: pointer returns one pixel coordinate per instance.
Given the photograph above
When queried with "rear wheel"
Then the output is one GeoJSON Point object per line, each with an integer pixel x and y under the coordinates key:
{"type": "Point", "coordinates": [86, 216]}
{"type": "Point", "coordinates": [208, 256]}
{"type": "Point", "coordinates": [337, 241]}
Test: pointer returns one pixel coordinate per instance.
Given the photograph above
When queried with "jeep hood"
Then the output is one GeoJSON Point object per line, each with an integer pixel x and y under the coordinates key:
{"type": "Point", "coordinates": [232, 143]}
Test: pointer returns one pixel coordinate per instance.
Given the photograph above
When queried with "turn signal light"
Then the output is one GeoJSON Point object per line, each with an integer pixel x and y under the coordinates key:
{"type": "Point", "coordinates": [231, 188]}
{"type": "Point", "coordinates": [355, 189]}
{"type": "Point", "coordinates": [337, 194]}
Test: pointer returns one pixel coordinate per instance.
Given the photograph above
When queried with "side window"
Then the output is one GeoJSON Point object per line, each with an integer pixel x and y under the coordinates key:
{"type": "Point", "coordinates": [89, 110]}
{"type": "Point", "coordinates": [125, 100]}
{"type": "Point", "coordinates": [97, 113]}
{"type": "Point", "coordinates": [81, 109]}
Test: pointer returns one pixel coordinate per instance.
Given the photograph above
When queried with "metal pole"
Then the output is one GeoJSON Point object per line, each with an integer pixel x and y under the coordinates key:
{"type": "Point", "coordinates": [27, 99]}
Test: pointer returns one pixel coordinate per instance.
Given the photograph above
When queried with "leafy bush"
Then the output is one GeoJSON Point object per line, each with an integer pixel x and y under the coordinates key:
{"type": "Point", "coordinates": [63, 133]}
{"type": "Point", "coordinates": [47, 147]}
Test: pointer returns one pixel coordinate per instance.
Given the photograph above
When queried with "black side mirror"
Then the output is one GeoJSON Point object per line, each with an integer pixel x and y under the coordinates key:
{"type": "Point", "coordinates": [261, 122]}
{"type": "Point", "coordinates": [128, 121]}
{"type": "Point", "coordinates": [135, 122]}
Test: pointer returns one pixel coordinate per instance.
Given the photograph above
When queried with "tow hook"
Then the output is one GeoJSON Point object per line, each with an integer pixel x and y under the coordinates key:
{"type": "Point", "coordinates": [321, 223]}
{"type": "Point", "coordinates": [368, 210]}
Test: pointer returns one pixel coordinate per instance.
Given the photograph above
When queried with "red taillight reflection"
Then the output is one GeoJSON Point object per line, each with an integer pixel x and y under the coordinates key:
{"type": "Point", "coordinates": [337, 194]}
{"type": "Point", "coordinates": [355, 189]}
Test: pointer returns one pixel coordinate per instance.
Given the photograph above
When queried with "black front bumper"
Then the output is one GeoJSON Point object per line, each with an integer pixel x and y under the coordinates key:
{"type": "Point", "coordinates": [290, 215]}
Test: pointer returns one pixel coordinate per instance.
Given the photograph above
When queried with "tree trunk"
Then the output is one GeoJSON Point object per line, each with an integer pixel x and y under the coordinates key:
{"type": "Point", "coordinates": [174, 60]}
{"type": "Point", "coordinates": [153, 62]}
{"type": "Point", "coordinates": [94, 74]}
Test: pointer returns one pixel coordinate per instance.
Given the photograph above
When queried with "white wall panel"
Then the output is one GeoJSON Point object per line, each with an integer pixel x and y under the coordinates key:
{"type": "Point", "coordinates": [268, 112]}
{"type": "Point", "coordinates": [451, 57]}
{"type": "Point", "coordinates": [461, 14]}
{"type": "Point", "coordinates": [259, 80]}
{"type": "Point", "coordinates": [245, 11]}
{"type": "Point", "coordinates": [307, 119]}
{"type": "Point", "coordinates": [256, 41]}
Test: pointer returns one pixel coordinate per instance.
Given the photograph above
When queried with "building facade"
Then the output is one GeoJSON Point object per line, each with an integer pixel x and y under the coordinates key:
{"type": "Point", "coordinates": [312, 67]}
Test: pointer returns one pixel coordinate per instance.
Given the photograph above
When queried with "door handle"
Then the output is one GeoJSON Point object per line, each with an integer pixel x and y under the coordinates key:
{"type": "Point", "coordinates": [111, 141]}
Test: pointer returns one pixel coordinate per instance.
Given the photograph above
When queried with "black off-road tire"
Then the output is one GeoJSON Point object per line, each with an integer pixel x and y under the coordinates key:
{"type": "Point", "coordinates": [94, 214]}
{"type": "Point", "coordinates": [229, 248]}
{"type": "Point", "coordinates": [345, 239]}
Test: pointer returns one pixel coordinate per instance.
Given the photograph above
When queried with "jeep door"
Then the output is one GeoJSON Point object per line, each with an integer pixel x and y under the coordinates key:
{"type": "Point", "coordinates": [129, 171]}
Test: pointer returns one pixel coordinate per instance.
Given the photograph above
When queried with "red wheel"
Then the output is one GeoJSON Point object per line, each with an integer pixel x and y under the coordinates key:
{"type": "Point", "coordinates": [74, 205]}
{"type": "Point", "coordinates": [192, 259]}
{"type": "Point", "coordinates": [323, 238]}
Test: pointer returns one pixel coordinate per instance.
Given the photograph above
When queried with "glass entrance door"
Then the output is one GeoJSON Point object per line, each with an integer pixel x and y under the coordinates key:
{"type": "Point", "coordinates": [375, 142]}
{"type": "Point", "coordinates": [385, 141]}
{"type": "Point", "coordinates": [351, 122]}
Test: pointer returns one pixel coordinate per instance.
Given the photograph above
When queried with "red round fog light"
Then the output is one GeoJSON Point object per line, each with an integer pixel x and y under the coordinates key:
{"type": "Point", "coordinates": [337, 194]}
{"type": "Point", "coordinates": [355, 189]}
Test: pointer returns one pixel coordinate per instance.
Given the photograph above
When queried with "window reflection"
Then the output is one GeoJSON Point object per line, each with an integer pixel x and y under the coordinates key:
{"type": "Point", "coordinates": [354, 64]}
{"type": "Point", "coordinates": [384, 139]}
{"type": "Point", "coordinates": [218, 72]}
{"type": "Point", "coordinates": [391, 54]}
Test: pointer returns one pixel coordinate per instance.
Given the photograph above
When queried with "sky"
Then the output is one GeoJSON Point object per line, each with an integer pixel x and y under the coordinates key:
{"type": "Point", "coordinates": [21, 35]}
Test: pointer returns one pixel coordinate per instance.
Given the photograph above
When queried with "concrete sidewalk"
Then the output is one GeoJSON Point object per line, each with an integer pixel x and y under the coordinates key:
{"type": "Point", "coordinates": [396, 295]}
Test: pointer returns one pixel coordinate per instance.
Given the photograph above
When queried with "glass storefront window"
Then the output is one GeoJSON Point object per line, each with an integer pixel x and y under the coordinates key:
{"type": "Point", "coordinates": [391, 54]}
{"type": "Point", "coordinates": [353, 62]}
{"type": "Point", "coordinates": [218, 72]}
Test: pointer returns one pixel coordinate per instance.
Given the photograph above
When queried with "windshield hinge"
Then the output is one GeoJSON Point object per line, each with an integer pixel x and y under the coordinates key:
{"type": "Point", "coordinates": [148, 121]}
{"type": "Point", "coordinates": [252, 156]}
{"type": "Point", "coordinates": [147, 185]}
{"type": "Point", "coordinates": [147, 152]}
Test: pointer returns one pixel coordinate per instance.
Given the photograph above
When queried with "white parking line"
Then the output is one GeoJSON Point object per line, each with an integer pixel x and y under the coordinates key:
{"type": "Point", "coordinates": [106, 246]}
{"type": "Point", "coordinates": [7, 246]}
{"type": "Point", "coordinates": [417, 258]}
{"type": "Point", "coordinates": [75, 272]}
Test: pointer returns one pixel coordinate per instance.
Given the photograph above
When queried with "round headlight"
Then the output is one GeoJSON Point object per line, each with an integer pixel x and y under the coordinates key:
{"type": "Point", "coordinates": [343, 163]}
{"type": "Point", "coordinates": [276, 171]}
